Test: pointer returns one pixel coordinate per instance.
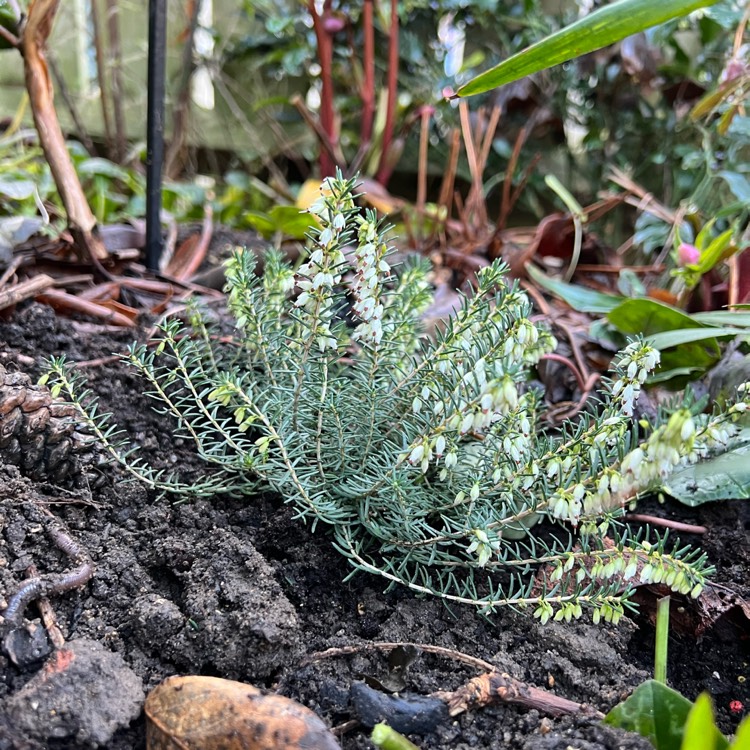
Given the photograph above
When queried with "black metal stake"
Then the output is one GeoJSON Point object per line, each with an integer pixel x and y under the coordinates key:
{"type": "Point", "coordinates": [157, 56]}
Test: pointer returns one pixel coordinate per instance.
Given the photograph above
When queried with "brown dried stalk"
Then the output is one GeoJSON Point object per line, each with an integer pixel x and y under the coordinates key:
{"type": "Point", "coordinates": [32, 46]}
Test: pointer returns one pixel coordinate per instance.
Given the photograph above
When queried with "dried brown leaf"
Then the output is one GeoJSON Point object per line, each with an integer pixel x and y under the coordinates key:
{"type": "Point", "coordinates": [208, 713]}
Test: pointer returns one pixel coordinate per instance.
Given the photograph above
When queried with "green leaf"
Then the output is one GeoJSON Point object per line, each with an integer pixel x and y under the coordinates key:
{"type": "Point", "coordinates": [578, 297]}
{"type": "Point", "coordinates": [664, 376]}
{"type": "Point", "coordinates": [668, 339]}
{"type": "Point", "coordinates": [700, 727]}
{"type": "Point", "coordinates": [723, 477]}
{"type": "Point", "coordinates": [658, 713]}
{"type": "Point", "coordinates": [691, 343]}
{"type": "Point", "coordinates": [102, 168]}
{"type": "Point", "coordinates": [8, 20]}
{"type": "Point", "coordinates": [606, 335]}
{"type": "Point", "coordinates": [719, 249]}
{"type": "Point", "coordinates": [742, 735]}
{"type": "Point", "coordinates": [259, 221]}
{"type": "Point", "coordinates": [738, 184]}
{"type": "Point", "coordinates": [16, 190]}
{"type": "Point", "coordinates": [647, 316]}
{"type": "Point", "coordinates": [289, 220]}
{"type": "Point", "coordinates": [605, 26]}
{"type": "Point", "coordinates": [723, 318]}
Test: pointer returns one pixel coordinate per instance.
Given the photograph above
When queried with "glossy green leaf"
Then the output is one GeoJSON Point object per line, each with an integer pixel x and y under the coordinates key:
{"type": "Point", "coordinates": [664, 376]}
{"type": "Point", "coordinates": [578, 297]}
{"type": "Point", "coordinates": [688, 342]}
{"type": "Point", "coordinates": [723, 477]}
{"type": "Point", "coordinates": [742, 735]}
{"type": "Point", "coordinates": [292, 222]}
{"type": "Point", "coordinates": [719, 249]}
{"type": "Point", "coordinates": [605, 26]}
{"type": "Point", "coordinates": [700, 727]}
{"type": "Point", "coordinates": [8, 20]}
{"type": "Point", "coordinates": [723, 318]}
{"type": "Point", "coordinates": [647, 316]}
{"type": "Point", "coordinates": [102, 167]}
{"type": "Point", "coordinates": [259, 221]}
{"type": "Point", "coordinates": [668, 339]}
{"type": "Point", "coordinates": [658, 713]}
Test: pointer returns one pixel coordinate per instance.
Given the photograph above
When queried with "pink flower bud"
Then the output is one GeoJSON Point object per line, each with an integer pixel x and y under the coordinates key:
{"type": "Point", "coordinates": [687, 254]}
{"type": "Point", "coordinates": [733, 69]}
{"type": "Point", "coordinates": [334, 22]}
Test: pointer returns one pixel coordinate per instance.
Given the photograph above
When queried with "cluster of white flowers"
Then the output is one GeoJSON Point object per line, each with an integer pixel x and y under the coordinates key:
{"type": "Point", "coordinates": [660, 568]}
{"type": "Point", "coordinates": [520, 344]}
{"type": "Point", "coordinates": [667, 447]}
{"type": "Point", "coordinates": [482, 546]}
{"type": "Point", "coordinates": [472, 389]}
{"type": "Point", "coordinates": [636, 362]}
{"type": "Point", "coordinates": [567, 504]}
{"type": "Point", "coordinates": [318, 277]}
{"type": "Point", "coordinates": [371, 267]}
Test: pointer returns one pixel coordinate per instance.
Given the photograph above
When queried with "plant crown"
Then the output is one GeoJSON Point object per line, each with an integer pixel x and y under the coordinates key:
{"type": "Point", "coordinates": [426, 455]}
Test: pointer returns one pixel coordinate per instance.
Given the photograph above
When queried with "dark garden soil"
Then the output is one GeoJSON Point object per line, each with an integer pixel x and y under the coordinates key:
{"type": "Point", "coordinates": [236, 588]}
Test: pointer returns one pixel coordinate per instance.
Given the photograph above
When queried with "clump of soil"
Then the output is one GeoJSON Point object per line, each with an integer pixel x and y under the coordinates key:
{"type": "Point", "coordinates": [237, 588]}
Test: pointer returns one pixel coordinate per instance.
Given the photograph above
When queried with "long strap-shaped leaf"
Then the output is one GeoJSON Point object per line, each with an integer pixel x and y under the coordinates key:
{"type": "Point", "coordinates": [596, 30]}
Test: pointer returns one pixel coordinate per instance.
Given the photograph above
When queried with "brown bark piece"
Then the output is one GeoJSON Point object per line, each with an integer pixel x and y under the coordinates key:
{"type": "Point", "coordinates": [208, 713]}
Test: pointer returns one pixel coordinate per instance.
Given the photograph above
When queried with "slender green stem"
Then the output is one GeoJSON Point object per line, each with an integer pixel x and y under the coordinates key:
{"type": "Point", "coordinates": [662, 640]}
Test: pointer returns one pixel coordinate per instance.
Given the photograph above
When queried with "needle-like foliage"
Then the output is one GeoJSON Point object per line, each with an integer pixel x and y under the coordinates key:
{"type": "Point", "coordinates": [425, 455]}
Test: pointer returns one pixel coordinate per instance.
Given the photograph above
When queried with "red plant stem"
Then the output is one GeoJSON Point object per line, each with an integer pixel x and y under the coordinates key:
{"type": "Point", "coordinates": [385, 168]}
{"type": "Point", "coordinates": [327, 116]}
{"type": "Point", "coordinates": [368, 65]}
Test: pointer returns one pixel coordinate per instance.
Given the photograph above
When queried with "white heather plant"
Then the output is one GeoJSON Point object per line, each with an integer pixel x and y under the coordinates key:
{"type": "Point", "coordinates": [425, 455]}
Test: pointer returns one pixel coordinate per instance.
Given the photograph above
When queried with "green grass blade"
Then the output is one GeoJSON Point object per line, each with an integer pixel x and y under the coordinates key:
{"type": "Point", "coordinates": [605, 26]}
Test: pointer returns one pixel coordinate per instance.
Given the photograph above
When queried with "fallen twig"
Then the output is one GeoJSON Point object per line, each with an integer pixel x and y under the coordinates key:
{"type": "Point", "coordinates": [59, 300]}
{"type": "Point", "coordinates": [10, 270]}
{"type": "Point", "coordinates": [450, 653]}
{"type": "Point", "coordinates": [688, 528]}
{"type": "Point", "coordinates": [26, 289]}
